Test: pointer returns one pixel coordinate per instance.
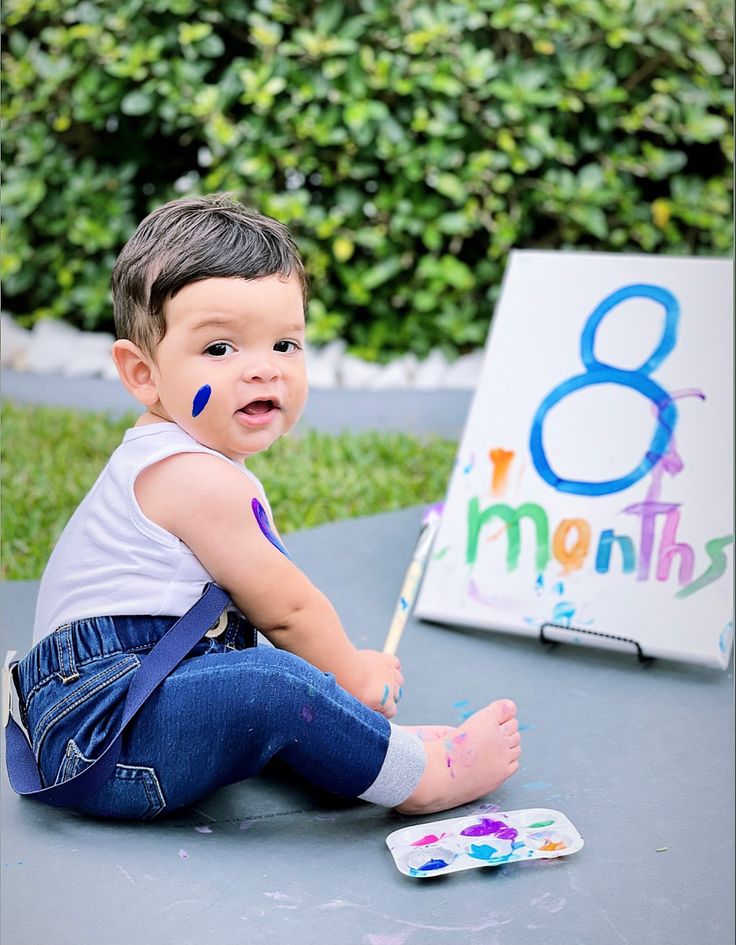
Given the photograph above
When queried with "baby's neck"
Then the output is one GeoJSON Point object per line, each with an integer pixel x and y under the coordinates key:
{"type": "Point", "coordinates": [150, 417]}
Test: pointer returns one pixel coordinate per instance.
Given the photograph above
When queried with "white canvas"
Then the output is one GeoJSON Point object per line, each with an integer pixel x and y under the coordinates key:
{"type": "Point", "coordinates": [604, 419]}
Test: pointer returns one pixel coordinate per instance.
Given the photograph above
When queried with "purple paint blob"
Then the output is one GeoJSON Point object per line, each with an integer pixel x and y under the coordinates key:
{"type": "Point", "coordinates": [265, 526]}
{"type": "Point", "coordinates": [200, 399]}
{"type": "Point", "coordinates": [307, 714]}
{"type": "Point", "coordinates": [488, 827]}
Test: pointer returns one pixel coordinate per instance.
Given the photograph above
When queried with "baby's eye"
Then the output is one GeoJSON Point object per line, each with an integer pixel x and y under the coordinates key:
{"type": "Point", "coordinates": [286, 347]}
{"type": "Point", "coordinates": [219, 349]}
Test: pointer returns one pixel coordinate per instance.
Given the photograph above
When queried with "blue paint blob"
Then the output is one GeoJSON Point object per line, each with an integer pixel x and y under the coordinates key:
{"type": "Point", "coordinates": [433, 865]}
{"type": "Point", "coordinates": [265, 526]}
{"type": "Point", "coordinates": [200, 400]}
{"type": "Point", "coordinates": [386, 693]}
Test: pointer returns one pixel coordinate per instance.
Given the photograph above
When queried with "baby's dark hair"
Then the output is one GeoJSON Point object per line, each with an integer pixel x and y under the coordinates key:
{"type": "Point", "coordinates": [186, 241]}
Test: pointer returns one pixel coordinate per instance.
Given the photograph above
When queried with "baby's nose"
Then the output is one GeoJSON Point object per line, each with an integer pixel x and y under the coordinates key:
{"type": "Point", "coordinates": [261, 369]}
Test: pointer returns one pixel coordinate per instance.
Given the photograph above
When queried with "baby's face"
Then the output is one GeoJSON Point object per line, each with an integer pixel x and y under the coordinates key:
{"type": "Point", "coordinates": [230, 369]}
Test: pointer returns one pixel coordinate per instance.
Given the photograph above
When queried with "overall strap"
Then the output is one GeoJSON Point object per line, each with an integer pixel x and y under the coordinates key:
{"type": "Point", "coordinates": [155, 667]}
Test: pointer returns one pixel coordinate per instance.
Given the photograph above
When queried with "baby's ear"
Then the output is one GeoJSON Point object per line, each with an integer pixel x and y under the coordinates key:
{"type": "Point", "coordinates": [136, 371]}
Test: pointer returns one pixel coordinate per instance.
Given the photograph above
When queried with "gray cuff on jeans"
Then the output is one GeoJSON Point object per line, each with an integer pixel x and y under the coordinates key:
{"type": "Point", "coordinates": [401, 770]}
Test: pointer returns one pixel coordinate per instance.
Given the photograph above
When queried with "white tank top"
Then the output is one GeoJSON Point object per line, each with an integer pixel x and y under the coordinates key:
{"type": "Point", "coordinates": [110, 558]}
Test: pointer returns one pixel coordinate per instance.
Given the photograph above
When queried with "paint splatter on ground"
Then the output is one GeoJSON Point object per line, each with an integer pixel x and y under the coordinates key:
{"type": "Point", "coordinates": [397, 938]}
{"type": "Point", "coordinates": [464, 710]}
{"type": "Point", "coordinates": [203, 829]}
{"type": "Point", "coordinates": [183, 855]}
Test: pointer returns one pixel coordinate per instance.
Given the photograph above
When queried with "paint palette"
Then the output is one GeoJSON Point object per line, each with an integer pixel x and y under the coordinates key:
{"type": "Point", "coordinates": [464, 843]}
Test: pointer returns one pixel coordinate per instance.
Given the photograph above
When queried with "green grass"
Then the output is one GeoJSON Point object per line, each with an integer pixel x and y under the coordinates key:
{"type": "Point", "coordinates": [51, 457]}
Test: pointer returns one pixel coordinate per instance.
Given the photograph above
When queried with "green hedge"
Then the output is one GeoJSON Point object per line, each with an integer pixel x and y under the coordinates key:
{"type": "Point", "coordinates": [410, 144]}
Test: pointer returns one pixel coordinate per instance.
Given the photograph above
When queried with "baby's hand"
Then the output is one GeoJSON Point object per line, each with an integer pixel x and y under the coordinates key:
{"type": "Point", "coordinates": [383, 681]}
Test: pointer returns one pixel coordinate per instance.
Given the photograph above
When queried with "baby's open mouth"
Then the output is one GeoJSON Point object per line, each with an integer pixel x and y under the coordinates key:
{"type": "Point", "coordinates": [257, 407]}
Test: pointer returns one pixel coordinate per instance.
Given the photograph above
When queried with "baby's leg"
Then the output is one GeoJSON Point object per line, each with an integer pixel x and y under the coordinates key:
{"type": "Point", "coordinates": [472, 760]}
{"type": "Point", "coordinates": [221, 717]}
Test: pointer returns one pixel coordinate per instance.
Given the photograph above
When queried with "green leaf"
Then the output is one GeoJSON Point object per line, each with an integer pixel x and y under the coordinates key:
{"type": "Point", "coordinates": [136, 103]}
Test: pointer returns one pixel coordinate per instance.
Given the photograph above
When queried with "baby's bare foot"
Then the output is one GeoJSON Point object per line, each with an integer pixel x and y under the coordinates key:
{"type": "Point", "coordinates": [430, 733]}
{"type": "Point", "coordinates": [470, 761]}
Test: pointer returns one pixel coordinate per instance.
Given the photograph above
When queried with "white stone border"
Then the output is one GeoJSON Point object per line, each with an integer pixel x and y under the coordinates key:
{"type": "Point", "coordinates": [54, 347]}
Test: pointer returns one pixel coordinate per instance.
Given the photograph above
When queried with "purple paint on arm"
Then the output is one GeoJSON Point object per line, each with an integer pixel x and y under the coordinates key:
{"type": "Point", "coordinates": [200, 400]}
{"type": "Point", "coordinates": [265, 527]}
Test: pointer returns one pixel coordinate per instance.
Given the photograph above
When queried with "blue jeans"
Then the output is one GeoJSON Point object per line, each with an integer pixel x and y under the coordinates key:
{"type": "Point", "coordinates": [226, 710]}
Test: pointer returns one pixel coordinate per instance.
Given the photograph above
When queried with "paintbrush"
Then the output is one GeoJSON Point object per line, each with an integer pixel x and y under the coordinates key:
{"type": "Point", "coordinates": [407, 596]}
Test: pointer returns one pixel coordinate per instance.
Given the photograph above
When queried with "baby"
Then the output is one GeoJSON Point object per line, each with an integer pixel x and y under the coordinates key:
{"type": "Point", "coordinates": [209, 301]}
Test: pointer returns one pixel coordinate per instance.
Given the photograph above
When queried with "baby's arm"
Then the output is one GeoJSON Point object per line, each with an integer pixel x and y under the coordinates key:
{"type": "Point", "coordinates": [207, 504]}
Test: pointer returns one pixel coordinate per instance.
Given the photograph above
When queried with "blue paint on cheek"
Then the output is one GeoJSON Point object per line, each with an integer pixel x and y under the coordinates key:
{"type": "Point", "coordinates": [200, 400]}
{"type": "Point", "coordinates": [265, 526]}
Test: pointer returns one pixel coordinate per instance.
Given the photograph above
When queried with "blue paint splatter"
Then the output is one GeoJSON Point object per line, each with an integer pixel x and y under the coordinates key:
{"type": "Point", "coordinates": [200, 399]}
{"type": "Point", "coordinates": [563, 612]}
{"type": "Point", "coordinates": [265, 526]}
{"type": "Point", "coordinates": [463, 712]}
{"type": "Point", "coordinates": [386, 692]}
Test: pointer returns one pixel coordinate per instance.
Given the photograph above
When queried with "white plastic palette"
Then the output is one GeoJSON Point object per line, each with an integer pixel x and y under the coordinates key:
{"type": "Point", "coordinates": [464, 843]}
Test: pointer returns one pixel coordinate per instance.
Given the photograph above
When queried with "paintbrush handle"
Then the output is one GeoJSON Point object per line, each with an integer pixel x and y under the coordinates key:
{"type": "Point", "coordinates": [403, 607]}
{"type": "Point", "coordinates": [410, 586]}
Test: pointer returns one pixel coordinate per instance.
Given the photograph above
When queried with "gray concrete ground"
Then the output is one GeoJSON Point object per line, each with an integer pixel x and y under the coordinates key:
{"type": "Point", "coordinates": [638, 756]}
